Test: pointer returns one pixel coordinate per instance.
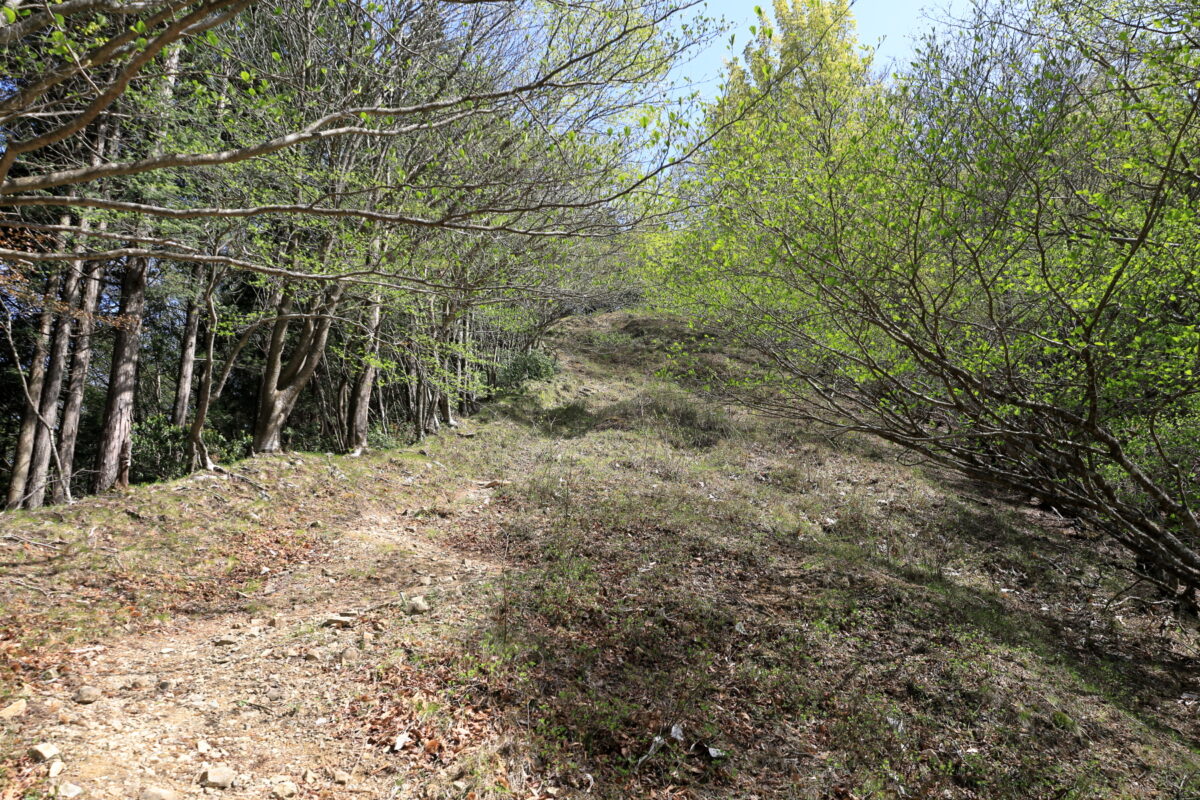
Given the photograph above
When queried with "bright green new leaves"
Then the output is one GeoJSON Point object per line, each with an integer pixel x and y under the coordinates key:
{"type": "Point", "coordinates": [995, 261]}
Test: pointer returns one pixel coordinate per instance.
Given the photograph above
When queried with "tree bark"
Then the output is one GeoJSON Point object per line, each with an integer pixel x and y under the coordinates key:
{"type": "Point", "coordinates": [116, 437]}
{"type": "Point", "coordinates": [282, 383]}
{"type": "Point", "coordinates": [187, 356]}
{"type": "Point", "coordinates": [200, 457]}
{"type": "Point", "coordinates": [23, 451]}
{"type": "Point", "coordinates": [43, 440]}
{"type": "Point", "coordinates": [359, 414]}
{"type": "Point", "coordinates": [81, 360]}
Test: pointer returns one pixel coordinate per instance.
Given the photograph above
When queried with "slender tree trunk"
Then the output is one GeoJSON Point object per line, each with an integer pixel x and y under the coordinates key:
{"type": "Point", "coordinates": [116, 437]}
{"type": "Point", "coordinates": [43, 440]}
{"type": "Point", "coordinates": [359, 414]}
{"type": "Point", "coordinates": [199, 451]}
{"type": "Point", "coordinates": [187, 355]}
{"type": "Point", "coordinates": [81, 360]}
{"type": "Point", "coordinates": [81, 356]}
{"type": "Point", "coordinates": [23, 452]}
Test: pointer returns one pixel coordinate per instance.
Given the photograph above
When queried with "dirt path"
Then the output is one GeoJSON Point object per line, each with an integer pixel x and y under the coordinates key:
{"type": "Point", "coordinates": [261, 693]}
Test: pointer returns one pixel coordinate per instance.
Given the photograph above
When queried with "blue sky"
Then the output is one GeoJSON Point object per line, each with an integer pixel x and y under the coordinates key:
{"type": "Point", "coordinates": [892, 22]}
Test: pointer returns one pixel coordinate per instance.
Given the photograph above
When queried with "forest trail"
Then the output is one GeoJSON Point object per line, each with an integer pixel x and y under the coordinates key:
{"type": "Point", "coordinates": [603, 586]}
{"type": "Point", "coordinates": [262, 692]}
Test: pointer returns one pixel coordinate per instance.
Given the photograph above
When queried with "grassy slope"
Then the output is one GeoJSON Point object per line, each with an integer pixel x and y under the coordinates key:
{"type": "Point", "coordinates": [696, 603]}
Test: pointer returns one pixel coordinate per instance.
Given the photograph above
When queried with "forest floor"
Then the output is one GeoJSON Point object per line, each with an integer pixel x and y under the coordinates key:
{"type": "Point", "coordinates": [604, 586]}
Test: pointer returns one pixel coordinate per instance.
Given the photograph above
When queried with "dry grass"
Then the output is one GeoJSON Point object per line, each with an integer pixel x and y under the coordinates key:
{"type": "Point", "coordinates": [696, 603]}
{"type": "Point", "coordinates": [810, 618]}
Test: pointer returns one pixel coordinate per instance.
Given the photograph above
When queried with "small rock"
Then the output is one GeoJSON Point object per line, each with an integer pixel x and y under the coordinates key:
{"type": "Point", "coordinates": [218, 777]}
{"type": "Point", "coordinates": [338, 621]}
{"type": "Point", "coordinates": [44, 752]}
{"type": "Point", "coordinates": [56, 769]}
{"type": "Point", "coordinates": [418, 605]}
{"type": "Point", "coordinates": [87, 694]}
{"type": "Point", "coordinates": [156, 793]}
{"type": "Point", "coordinates": [284, 789]}
{"type": "Point", "coordinates": [341, 777]}
{"type": "Point", "coordinates": [69, 790]}
{"type": "Point", "coordinates": [310, 776]}
{"type": "Point", "coordinates": [14, 709]}
{"type": "Point", "coordinates": [225, 639]}
{"type": "Point", "coordinates": [203, 747]}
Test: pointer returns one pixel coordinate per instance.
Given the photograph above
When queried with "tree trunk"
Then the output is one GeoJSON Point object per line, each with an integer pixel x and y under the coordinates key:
{"type": "Point", "coordinates": [43, 441]}
{"type": "Point", "coordinates": [359, 415]}
{"type": "Point", "coordinates": [81, 360]}
{"type": "Point", "coordinates": [282, 383]}
{"type": "Point", "coordinates": [116, 437]}
{"type": "Point", "coordinates": [200, 456]}
{"type": "Point", "coordinates": [23, 452]}
{"type": "Point", "coordinates": [187, 356]}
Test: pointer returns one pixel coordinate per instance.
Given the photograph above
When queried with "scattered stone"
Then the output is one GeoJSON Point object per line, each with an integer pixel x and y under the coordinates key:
{"type": "Point", "coordinates": [225, 639]}
{"type": "Point", "coordinates": [203, 747]}
{"type": "Point", "coordinates": [309, 776]}
{"type": "Point", "coordinates": [341, 777]}
{"type": "Point", "coordinates": [86, 695]}
{"type": "Point", "coordinates": [56, 769]}
{"type": "Point", "coordinates": [14, 709]}
{"type": "Point", "coordinates": [69, 790]}
{"type": "Point", "coordinates": [418, 605]}
{"type": "Point", "coordinates": [157, 793]}
{"type": "Point", "coordinates": [284, 789]}
{"type": "Point", "coordinates": [44, 752]}
{"type": "Point", "coordinates": [338, 621]}
{"type": "Point", "coordinates": [218, 777]}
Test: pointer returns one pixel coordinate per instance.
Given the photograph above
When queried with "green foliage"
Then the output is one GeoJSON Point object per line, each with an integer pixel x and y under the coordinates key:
{"type": "Point", "coordinates": [535, 365]}
{"type": "Point", "coordinates": [992, 261]}
{"type": "Point", "coordinates": [161, 452]}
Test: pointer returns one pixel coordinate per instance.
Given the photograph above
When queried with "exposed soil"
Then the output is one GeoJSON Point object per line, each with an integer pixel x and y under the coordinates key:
{"type": "Point", "coordinates": [603, 587]}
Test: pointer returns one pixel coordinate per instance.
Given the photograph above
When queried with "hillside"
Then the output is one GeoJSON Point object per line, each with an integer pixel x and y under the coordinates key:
{"type": "Point", "coordinates": [602, 586]}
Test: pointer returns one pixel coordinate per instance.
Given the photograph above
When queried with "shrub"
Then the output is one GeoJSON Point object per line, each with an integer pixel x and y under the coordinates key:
{"type": "Point", "coordinates": [534, 365]}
